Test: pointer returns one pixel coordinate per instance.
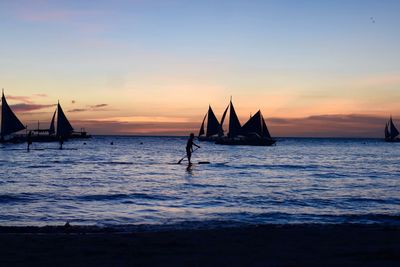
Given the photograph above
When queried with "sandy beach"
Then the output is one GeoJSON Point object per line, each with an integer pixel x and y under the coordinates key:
{"type": "Point", "coordinates": [263, 245]}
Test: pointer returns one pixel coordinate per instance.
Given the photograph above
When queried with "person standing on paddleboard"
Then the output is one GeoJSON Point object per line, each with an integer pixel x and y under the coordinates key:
{"type": "Point", "coordinates": [189, 147]}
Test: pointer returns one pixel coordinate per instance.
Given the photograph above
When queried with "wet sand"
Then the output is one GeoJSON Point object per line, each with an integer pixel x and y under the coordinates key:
{"type": "Point", "coordinates": [266, 245]}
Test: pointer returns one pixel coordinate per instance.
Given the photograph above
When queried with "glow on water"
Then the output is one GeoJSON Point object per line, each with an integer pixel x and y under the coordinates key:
{"type": "Point", "coordinates": [135, 181]}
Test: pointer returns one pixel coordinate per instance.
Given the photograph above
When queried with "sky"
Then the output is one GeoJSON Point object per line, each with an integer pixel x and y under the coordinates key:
{"type": "Point", "coordinates": [314, 68]}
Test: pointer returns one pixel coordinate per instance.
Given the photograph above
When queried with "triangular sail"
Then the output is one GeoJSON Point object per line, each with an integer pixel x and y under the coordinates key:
{"type": "Point", "coordinates": [265, 132]}
{"type": "Point", "coordinates": [64, 128]}
{"type": "Point", "coordinates": [387, 134]}
{"type": "Point", "coordinates": [253, 125]}
{"type": "Point", "coordinates": [52, 128]}
{"type": "Point", "coordinates": [9, 121]}
{"type": "Point", "coordinates": [201, 131]}
{"type": "Point", "coordinates": [393, 130]}
{"type": "Point", "coordinates": [221, 129]}
{"type": "Point", "coordinates": [234, 123]}
{"type": "Point", "coordinates": [213, 126]}
{"type": "Point", "coordinates": [256, 125]}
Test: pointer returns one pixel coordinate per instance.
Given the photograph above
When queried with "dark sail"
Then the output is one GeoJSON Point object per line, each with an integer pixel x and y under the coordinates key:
{"type": "Point", "coordinates": [52, 128]}
{"type": "Point", "coordinates": [64, 128]}
{"type": "Point", "coordinates": [393, 130]}
{"type": "Point", "coordinates": [387, 134]}
{"type": "Point", "coordinates": [253, 125]}
{"type": "Point", "coordinates": [213, 126]}
{"type": "Point", "coordinates": [256, 125]}
{"type": "Point", "coordinates": [265, 132]}
{"type": "Point", "coordinates": [9, 121]}
{"type": "Point", "coordinates": [201, 132]}
{"type": "Point", "coordinates": [234, 123]}
{"type": "Point", "coordinates": [221, 129]}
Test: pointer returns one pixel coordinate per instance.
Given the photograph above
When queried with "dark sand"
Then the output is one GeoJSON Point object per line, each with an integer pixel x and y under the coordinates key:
{"type": "Point", "coordinates": [267, 245]}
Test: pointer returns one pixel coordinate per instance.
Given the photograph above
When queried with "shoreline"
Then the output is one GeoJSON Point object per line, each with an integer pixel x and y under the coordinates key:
{"type": "Point", "coordinates": [252, 245]}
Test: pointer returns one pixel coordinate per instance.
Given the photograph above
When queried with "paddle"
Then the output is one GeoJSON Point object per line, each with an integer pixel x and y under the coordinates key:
{"type": "Point", "coordinates": [179, 162]}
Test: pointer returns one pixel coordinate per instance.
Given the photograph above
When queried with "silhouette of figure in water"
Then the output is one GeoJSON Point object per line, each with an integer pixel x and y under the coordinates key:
{"type": "Point", "coordinates": [29, 140]}
{"type": "Point", "coordinates": [61, 141]}
{"type": "Point", "coordinates": [189, 147]}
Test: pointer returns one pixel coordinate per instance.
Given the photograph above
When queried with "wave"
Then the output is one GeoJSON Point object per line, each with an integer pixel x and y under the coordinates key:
{"type": "Point", "coordinates": [22, 197]}
{"type": "Point", "coordinates": [395, 201]}
{"type": "Point", "coordinates": [39, 166]}
{"type": "Point", "coordinates": [277, 166]}
{"type": "Point", "coordinates": [105, 197]}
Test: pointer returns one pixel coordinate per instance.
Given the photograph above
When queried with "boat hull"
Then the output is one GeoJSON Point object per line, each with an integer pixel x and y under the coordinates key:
{"type": "Point", "coordinates": [79, 135]}
{"type": "Point", "coordinates": [18, 139]}
{"type": "Point", "coordinates": [54, 138]}
{"type": "Point", "coordinates": [389, 140]}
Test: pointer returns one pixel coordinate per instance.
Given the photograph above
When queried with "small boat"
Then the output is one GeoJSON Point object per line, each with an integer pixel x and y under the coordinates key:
{"type": "Point", "coordinates": [391, 132]}
{"type": "Point", "coordinates": [64, 129]}
{"type": "Point", "coordinates": [214, 128]}
{"type": "Point", "coordinates": [253, 133]}
{"type": "Point", "coordinates": [10, 124]}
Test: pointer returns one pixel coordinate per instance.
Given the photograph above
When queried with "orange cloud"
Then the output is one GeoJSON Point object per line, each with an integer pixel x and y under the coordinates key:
{"type": "Point", "coordinates": [22, 107]}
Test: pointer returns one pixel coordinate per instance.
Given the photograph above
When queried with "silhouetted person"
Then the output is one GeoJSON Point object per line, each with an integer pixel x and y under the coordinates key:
{"type": "Point", "coordinates": [29, 140]}
{"type": "Point", "coordinates": [61, 142]}
{"type": "Point", "coordinates": [189, 147]}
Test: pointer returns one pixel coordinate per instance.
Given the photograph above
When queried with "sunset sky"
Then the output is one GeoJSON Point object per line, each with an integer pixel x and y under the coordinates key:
{"type": "Point", "coordinates": [314, 68]}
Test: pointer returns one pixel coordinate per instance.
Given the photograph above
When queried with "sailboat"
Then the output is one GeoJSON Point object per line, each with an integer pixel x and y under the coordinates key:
{"type": "Point", "coordinates": [256, 131]}
{"type": "Point", "coordinates": [214, 128]}
{"type": "Point", "coordinates": [62, 130]}
{"type": "Point", "coordinates": [253, 133]}
{"type": "Point", "coordinates": [391, 132]}
{"type": "Point", "coordinates": [10, 123]}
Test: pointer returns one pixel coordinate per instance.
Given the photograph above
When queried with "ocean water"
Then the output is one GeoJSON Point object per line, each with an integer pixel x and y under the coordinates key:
{"type": "Point", "coordinates": [137, 181]}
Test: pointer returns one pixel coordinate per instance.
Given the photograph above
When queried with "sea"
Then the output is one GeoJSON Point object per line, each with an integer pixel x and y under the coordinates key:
{"type": "Point", "coordinates": [135, 180]}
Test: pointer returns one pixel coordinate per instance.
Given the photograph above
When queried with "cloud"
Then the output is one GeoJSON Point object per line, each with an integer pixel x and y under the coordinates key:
{"type": "Point", "coordinates": [138, 128]}
{"type": "Point", "coordinates": [146, 119]}
{"type": "Point", "coordinates": [24, 99]}
{"type": "Point", "coordinates": [24, 107]}
{"type": "Point", "coordinates": [78, 110]}
{"type": "Point", "coordinates": [99, 106]}
{"type": "Point", "coordinates": [340, 125]}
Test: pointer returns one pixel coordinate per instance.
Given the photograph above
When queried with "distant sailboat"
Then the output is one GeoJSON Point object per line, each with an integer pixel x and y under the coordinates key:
{"type": "Point", "coordinates": [391, 132]}
{"type": "Point", "coordinates": [60, 130]}
{"type": "Point", "coordinates": [64, 127]}
{"type": "Point", "coordinates": [254, 132]}
{"type": "Point", "coordinates": [213, 127]}
{"type": "Point", "coordinates": [10, 123]}
{"type": "Point", "coordinates": [255, 129]}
